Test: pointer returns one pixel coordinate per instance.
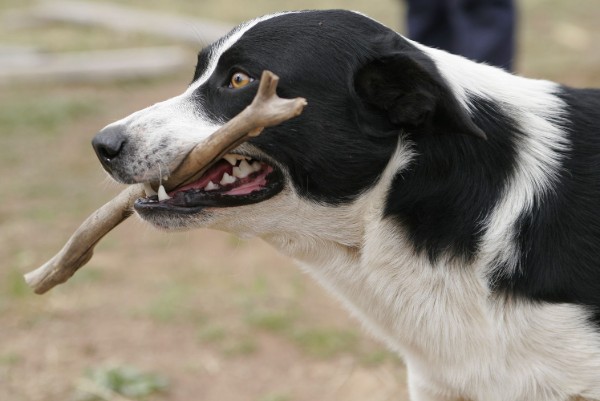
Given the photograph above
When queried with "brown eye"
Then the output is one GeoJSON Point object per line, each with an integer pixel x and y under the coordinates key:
{"type": "Point", "coordinates": [239, 80]}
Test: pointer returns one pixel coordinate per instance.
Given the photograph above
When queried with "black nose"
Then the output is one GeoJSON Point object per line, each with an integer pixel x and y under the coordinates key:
{"type": "Point", "coordinates": [108, 144]}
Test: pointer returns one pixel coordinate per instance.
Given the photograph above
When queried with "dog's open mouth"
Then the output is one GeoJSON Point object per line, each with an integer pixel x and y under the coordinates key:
{"type": "Point", "coordinates": [235, 180]}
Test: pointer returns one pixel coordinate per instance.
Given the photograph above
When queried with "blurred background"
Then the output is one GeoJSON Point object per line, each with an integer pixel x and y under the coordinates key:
{"type": "Point", "coordinates": [187, 316]}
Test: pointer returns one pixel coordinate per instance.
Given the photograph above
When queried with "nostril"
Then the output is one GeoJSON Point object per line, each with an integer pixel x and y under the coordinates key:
{"type": "Point", "coordinates": [108, 143]}
{"type": "Point", "coordinates": [107, 152]}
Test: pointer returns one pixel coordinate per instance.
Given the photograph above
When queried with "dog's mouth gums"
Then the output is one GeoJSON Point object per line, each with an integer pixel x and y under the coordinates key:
{"type": "Point", "coordinates": [235, 180]}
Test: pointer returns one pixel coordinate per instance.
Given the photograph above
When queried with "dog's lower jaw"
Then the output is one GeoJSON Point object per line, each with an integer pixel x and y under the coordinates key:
{"type": "Point", "coordinates": [165, 221]}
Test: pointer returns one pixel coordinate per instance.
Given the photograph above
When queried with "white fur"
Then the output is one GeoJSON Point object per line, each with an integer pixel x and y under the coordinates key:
{"type": "Point", "coordinates": [458, 340]}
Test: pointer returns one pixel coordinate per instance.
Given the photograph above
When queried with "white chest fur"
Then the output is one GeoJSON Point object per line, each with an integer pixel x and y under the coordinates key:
{"type": "Point", "coordinates": [457, 338]}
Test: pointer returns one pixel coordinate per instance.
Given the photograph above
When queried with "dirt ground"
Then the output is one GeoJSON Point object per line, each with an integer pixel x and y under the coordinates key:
{"type": "Point", "coordinates": [218, 317]}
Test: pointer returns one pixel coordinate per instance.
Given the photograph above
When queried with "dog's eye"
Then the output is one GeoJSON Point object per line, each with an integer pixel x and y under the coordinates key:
{"type": "Point", "coordinates": [239, 80]}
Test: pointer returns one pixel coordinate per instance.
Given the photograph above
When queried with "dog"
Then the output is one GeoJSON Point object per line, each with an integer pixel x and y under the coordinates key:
{"type": "Point", "coordinates": [452, 207]}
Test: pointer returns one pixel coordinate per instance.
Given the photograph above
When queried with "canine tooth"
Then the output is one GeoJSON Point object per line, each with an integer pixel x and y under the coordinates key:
{"type": "Point", "coordinates": [211, 186]}
{"type": "Point", "coordinates": [148, 189]}
{"type": "Point", "coordinates": [244, 165]}
{"type": "Point", "coordinates": [227, 179]}
{"type": "Point", "coordinates": [237, 172]}
{"type": "Point", "coordinates": [256, 166]}
{"type": "Point", "coordinates": [162, 194]}
{"type": "Point", "coordinates": [165, 178]}
{"type": "Point", "coordinates": [243, 171]}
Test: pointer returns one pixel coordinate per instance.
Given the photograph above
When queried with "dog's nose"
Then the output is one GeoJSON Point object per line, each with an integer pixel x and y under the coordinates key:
{"type": "Point", "coordinates": [108, 144]}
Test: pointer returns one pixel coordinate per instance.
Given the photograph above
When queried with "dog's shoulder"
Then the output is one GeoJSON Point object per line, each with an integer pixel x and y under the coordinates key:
{"type": "Point", "coordinates": [525, 201]}
{"type": "Point", "coordinates": [559, 236]}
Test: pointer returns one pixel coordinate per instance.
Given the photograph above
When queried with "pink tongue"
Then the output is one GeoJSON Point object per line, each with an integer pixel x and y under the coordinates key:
{"type": "Point", "coordinates": [214, 174]}
{"type": "Point", "coordinates": [257, 183]}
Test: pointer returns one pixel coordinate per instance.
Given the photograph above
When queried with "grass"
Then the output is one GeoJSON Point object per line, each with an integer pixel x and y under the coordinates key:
{"type": "Point", "coordinates": [212, 334]}
{"type": "Point", "coordinates": [108, 382]}
{"type": "Point", "coordinates": [89, 275]}
{"type": "Point", "coordinates": [275, 321]}
{"type": "Point", "coordinates": [264, 310]}
{"type": "Point", "coordinates": [326, 342]}
{"type": "Point", "coordinates": [15, 286]}
{"type": "Point", "coordinates": [282, 315]}
{"type": "Point", "coordinates": [240, 346]}
{"type": "Point", "coordinates": [10, 359]}
{"type": "Point", "coordinates": [376, 357]}
{"type": "Point", "coordinates": [13, 289]}
{"type": "Point", "coordinates": [230, 342]}
{"type": "Point", "coordinates": [171, 303]}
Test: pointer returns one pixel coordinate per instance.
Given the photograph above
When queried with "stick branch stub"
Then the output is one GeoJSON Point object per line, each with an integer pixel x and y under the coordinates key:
{"type": "Point", "coordinates": [266, 110]}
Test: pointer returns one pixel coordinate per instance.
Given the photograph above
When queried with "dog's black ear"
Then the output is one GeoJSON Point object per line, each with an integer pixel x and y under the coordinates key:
{"type": "Point", "coordinates": [407, 86]}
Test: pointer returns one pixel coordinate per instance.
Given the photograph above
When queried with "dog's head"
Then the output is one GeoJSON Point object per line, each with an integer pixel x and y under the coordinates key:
{"type": "Point", "coordinates": [365, 87]}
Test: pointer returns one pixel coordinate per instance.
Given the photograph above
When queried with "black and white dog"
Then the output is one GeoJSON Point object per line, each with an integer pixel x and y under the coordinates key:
{"type": "Point", "coordinates": [452, 207]}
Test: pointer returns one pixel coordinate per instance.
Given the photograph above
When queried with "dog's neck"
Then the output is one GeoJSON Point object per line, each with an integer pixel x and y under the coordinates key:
{"type": "Point", "coordinates": [316, 231]}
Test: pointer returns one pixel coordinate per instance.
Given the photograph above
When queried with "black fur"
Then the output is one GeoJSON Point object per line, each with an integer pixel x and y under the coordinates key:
{"type": "Point", "coordinates": [560, 238]}
{"type": "Point", "coordinates": [446, 195]}
{"type": "Point", "coordinates": [328, 158]}
{"type": "Point", "coordinates": [405, 83]}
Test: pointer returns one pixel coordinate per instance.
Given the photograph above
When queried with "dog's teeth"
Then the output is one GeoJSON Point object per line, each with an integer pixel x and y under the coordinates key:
{"type": "Point", "coordinates": [162, 194]}
{"type": "Point", "coordinates": [231, 159]}
{"type": "Point", "coordinates": [211, 186]}
{"type": "Point", "coordinates": [243, 171]}
{"type": "Point", "coordinates": [165, 178]}
{"type": "Point", "coordinates": [256, 167]}
{"type": "Point", "coordinates": [227, 179]}
{"type": "Point", "coordinates": [148, 189]}
{"type": "Point", "coordinates": [246, 168]}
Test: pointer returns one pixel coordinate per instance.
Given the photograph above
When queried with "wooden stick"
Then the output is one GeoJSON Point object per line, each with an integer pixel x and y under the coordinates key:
{"type": "Point", "coordinates": [266, 110]}
{"type": "Point", "coordinates": [80, 247]}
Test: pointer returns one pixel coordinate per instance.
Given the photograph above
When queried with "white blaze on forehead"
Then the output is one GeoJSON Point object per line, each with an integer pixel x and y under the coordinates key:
{"type": "Point", "coordinates": [224, 44]}
{"type": "Point", "coordinates": [180, 104]}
